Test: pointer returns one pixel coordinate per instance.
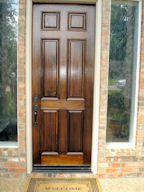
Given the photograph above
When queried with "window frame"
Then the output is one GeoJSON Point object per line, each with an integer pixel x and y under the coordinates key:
{"type": "Point", "coordinates": [14, 144]}
{"type": "Point", "coordinates": [132, 137]}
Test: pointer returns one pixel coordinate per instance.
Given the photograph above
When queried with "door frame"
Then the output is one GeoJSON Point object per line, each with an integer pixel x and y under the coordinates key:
{"type": "Point", "coordinates": [95, 127]}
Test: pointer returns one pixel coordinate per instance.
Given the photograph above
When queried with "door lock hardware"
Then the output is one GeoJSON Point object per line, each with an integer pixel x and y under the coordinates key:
{"type": "Point", "coordinates": [35, 108]}
{"type": "Point", "coordinates": [36, 98]}
{"type": "Point", "coordinates": [35, 115]}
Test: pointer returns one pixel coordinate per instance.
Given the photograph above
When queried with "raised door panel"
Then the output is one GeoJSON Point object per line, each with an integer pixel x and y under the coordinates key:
{"type": "Point", "coordinates": [51, 21]}
{"type": "Point", "coordinates": [50, 63]}
{"type": "Point", "coordinates": [77, 21]}
{"type": "Point", "coordinates": [49, 130]}
{"type": "Point", "coordinates": [75, 139]}
{"type": "Point", "coordinates": [76, 65]}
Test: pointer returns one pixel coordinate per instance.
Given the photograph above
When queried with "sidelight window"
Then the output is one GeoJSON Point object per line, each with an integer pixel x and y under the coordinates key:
{"type": "Point", "coordinates": [8, 69]}
{"type": "Point", "coordinates": [122, 71]}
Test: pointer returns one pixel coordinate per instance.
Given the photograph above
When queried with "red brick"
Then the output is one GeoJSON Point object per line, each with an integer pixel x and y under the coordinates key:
{"type": "Point", "coordinates": [133, 170]}
{"type": "Point", "coordinates": [17, 170]}
{"type": "Point", "coordinates": [21, 114]}
{"type": "Point", "coordinates": [114, 165]}
{"type": "Point", "coordinates": [112, 170]}
{"type": "Point", "coordinates": [9, 164]}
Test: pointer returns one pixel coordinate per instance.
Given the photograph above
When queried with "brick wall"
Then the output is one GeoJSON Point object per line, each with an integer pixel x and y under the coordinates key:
{"type": "Point", "coordinates": [13, 160]}
{"type": "Point", "coordinates": [111, 162]}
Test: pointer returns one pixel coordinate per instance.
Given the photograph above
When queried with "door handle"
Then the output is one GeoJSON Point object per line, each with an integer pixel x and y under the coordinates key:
{"type": "Point", "coordinates": [35, 115]}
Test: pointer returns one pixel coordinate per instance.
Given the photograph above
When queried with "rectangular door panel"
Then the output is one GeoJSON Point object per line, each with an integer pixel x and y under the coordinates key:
{"type": "Point", "coordinates": [50, 21]}
{"type": "Point", "coordinates": [62, 104]}
{"type": "Point", "coordinates": [68, 159]}
{"type": "Point", "coordinates": [75, 131]}
{"type": "Point", "coordinates": [76, 63]}
{"type": "Point", "coordinates": [50, 63]}
{"type": "Point", "coordinates": [50, 131]}
{"type": "Point", "coordinates": [77, 21]}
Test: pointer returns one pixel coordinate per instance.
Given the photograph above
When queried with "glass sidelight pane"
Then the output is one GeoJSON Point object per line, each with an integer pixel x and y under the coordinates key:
{"type": "Point", "coordinates": [8, 69]}
{"type": "Point", "coordinates": [122, 70]}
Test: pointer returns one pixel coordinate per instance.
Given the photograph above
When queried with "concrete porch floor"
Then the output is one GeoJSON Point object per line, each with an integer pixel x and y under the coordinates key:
{"type": "Point", "coordinates": [108, 185]}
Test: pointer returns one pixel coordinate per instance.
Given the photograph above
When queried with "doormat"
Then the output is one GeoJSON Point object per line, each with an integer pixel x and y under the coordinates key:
{"type": "Point", "coordinates": [63, 185]}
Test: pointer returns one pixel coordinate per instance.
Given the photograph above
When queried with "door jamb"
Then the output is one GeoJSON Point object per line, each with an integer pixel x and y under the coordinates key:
{"type": "Point", "coordinates": [95, 128]}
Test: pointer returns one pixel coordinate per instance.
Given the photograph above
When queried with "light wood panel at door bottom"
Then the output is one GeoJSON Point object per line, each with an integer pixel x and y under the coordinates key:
{"type": "Point", "coordinates": [67, 159]}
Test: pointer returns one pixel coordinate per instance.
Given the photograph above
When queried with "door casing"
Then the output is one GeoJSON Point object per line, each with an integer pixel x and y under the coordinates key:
{"type": "Point", "coordinates": [96, 79]}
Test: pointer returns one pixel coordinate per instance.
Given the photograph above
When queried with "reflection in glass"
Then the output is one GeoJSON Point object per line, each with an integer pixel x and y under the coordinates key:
{"type": "Point", "coordinates": [122, 70]}
{"type": "Point", "coordinates": [8, 69]}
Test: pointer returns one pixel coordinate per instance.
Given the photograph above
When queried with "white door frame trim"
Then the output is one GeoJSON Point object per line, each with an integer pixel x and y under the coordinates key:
{"type": "Point", "coordinates": [29, 85]}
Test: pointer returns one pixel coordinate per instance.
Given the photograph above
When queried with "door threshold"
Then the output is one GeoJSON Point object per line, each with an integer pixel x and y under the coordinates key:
{"type": "Point", "coordinates": [78, 169]}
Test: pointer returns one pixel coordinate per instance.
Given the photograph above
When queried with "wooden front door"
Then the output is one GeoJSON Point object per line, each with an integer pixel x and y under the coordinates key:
{"type": "Point", "coordinates": [62, 83]}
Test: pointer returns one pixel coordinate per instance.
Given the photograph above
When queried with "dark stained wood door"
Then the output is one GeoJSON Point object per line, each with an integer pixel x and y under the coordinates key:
{"type": "Point", "coordinates": [62, 83]}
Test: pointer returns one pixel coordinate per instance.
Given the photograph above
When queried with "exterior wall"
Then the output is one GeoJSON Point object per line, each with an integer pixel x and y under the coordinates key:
{"type": "Point", "coordinates": [13, 159]}
{"type": "Point", "coordinates": [111, 162]}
